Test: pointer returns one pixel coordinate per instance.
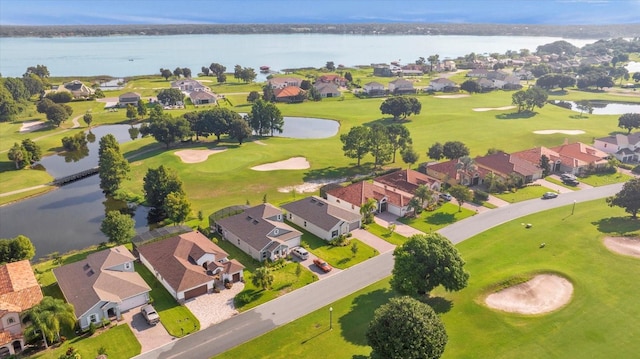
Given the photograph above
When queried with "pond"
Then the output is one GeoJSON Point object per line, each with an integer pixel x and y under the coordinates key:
{"type": "Point", "coordinates": [67, 163]}
{"type": "Point", "coordinates": [64, 219]}
{"type": "Point", "coordinates": [304, 127]}
{"type": "Point", "coordinates": [609, 108]}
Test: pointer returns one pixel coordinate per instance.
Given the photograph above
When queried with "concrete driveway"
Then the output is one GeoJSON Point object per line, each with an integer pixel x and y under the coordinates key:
{"type": "Point", "coordinates": [308, 263]}
{"type": "Point", "coordinates": [150, 337]}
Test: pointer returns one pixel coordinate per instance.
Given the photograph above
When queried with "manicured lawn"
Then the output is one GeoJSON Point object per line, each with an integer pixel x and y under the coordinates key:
{"type": "Point", "coordinates": [523, 194]}
{"type": "Point", "coordinates": [176, 318]}
{"type": "Point", "coordinates": [119, 342]}
{"type": "Point", "coordinates": [338, 256]}
{"type": "Point", "coordinates": [573, 249]}
{"type": "Point", "coordinates": [285, 281]}
{"type": "Point", "coordinates": [382, 232]}
{"type": "Point", "coordinates": [603, 179]}
{"type": "Point", "coordinates": [445, 215]}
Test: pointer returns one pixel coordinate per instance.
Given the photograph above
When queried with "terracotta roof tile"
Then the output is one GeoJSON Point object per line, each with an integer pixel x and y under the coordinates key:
{"type": "Point", "coordinates": [18, 286]}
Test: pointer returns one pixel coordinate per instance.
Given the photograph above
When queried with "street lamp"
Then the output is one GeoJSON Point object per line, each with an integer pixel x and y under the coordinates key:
{"type": "Point", "coordinates": [574, 207]}
{"type": "Point", "coordinates": [330, 318]}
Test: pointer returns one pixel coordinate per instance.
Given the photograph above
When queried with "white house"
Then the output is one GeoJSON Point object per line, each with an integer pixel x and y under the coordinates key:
{"type": "Point", "coordinates": [440, 84]}
{"type": "Point", "coordinates": [322, 218]}
{"type": "Point", "coordinates": [373, 88]}
{"type": "Point", "coordinates": [400, 86]}
{"type": "Point", "coordinates": [626, 148]}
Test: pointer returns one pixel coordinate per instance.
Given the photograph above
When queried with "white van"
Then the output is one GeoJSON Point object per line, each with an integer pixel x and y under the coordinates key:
{"type": "Point", "coordinates": [300, 253]}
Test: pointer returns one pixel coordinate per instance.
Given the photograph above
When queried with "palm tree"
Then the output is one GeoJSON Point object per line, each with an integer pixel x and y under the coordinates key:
{"type": "Point", "coordinates": [466, 165]}
{"type": "Point", "coordinates": [425, 195]}
{"type": "Point", "coordinates": [262, 278]}
{"type": "Point", "coordinates": [367, 210]}
{"type": "Point", "coordinates": [50, 316]}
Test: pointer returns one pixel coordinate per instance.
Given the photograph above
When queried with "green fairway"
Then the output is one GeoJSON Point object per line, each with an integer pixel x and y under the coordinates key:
{"type": "Point", "coordinates": [598, 322]}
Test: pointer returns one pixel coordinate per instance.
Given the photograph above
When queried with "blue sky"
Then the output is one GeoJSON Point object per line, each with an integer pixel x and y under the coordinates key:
{"type": "Point", "coordinates": [552, 12]}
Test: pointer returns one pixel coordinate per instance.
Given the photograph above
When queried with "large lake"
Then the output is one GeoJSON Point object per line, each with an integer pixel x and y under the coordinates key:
{"type": "Point", "coordinates": [137, 55]}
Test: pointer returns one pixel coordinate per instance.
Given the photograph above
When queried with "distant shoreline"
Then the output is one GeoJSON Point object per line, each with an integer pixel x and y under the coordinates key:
{"type": "Point", "coordinates": [565, 31]}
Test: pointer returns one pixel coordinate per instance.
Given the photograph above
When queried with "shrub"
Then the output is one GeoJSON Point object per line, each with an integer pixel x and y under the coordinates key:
{"type": "Point", "coordinates": [636, 170]}
{"type": "Point", "coordinates": [480, 196]}
{"type": "Point", "coordinates": [92, 329]}
{"type": "Point", "coordinates": [242, 298]}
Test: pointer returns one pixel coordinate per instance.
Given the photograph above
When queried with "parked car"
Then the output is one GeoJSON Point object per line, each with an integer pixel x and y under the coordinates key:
{"type": "Point", "coordinates": [568, 176]}
{"type": "Point", "coordinates": [571, 182]}
{"type": "Point", "coordinates": [446, 196]}
{"type": "Point", "coordinates": [549, 195]}
{"type": "Point", "coordinates": [150, 314]}
{"type": "Point", "coordinates": [300, 253]}
{"type": "Point", "coordinates": [324, 266]}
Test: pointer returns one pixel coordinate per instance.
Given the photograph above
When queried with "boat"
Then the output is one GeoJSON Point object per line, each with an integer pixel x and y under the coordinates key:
{"type": "Point", "coordinates": [130, 59]}
{"type": "Point", "coordinates": [264, 68]}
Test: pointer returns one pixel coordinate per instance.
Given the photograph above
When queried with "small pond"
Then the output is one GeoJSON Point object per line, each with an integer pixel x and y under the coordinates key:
{"type": "Point", "coordinates": [68, 163]}
{"type": "Point", "coordinates": [304, 127]}
{"type": "Point", "coordinates": [609, 108]}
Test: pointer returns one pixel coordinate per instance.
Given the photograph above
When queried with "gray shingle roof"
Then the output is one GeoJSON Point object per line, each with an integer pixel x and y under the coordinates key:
{"type": "Point", "coordinates": [321, 213]}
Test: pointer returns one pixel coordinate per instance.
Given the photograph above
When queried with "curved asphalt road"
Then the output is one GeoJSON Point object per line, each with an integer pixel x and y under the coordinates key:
{"type": "Point", "coordinates": [266, 317]}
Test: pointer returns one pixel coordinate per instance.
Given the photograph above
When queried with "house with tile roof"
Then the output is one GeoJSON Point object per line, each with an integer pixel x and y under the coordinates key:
{"type": "Point", "coordinates": [102, 286]}
{"type": "Point", "coordinates": [577, 157]}
{"type": "Point", "coordinates": [318, 216]}
{"type": "Point", "coordinates": [626, 148]}
{"type": "Point", "coordinates": [260, 232]}
{"type": "Point", "coordinates": [353, 196]}
{"type": "Point", "coordinates": [505, 165]}
{"type": "Point", "coordinates": [19, 291]}
{"type": "Point", "coordinates": [407, 181]}
{"type": "Point", "coordinates": [189, 264]}
{"type": "Point", "coordinates": [289, 94]}
{"type": "Point", "coordinates": [332, 79]}
{"type": "Point", "coordinates": [447, 172]}
{"type": "Point", "coordinates": [534, 157]}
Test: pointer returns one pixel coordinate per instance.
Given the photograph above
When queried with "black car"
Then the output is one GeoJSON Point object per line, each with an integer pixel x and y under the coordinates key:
{"type": "Point", "coordinates": [571, 182]}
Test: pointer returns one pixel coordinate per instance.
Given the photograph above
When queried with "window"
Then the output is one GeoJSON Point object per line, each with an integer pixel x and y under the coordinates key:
{"type": "Point", "coordinates": [127, 265]}
{"type": "Point", "coordinates": [11, 320]}
{"type": "Point", "coordinates": [305, 223]}
{"type": "Point", "coordinates": [238, 241]}
{"type": "Point", "coordinates": [334, 234]}
{"type": "Point", "coordinates": [93, 318]}
{"type": "Point", "coordinates": [275, 231]}
{"type": "Point", "coordinates": [290, 216]}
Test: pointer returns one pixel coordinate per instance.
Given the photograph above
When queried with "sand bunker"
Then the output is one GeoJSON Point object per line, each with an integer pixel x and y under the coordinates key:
{"type": "Point", "coordinates": [623, 245]}
{"type": "Point", "coordinates": [259, 143]}
{"type": "Point", "coordinates": [30, 126]}
{"type": "Point", "coordinates": [196, 156]}
{"type": "Point", "coordinates": [483, 109]}
{"type": "Point", "coordinates": [542, 294]}
{"type": "Point", "coordinates": [564, 132]}
{"type": "Point", "coordinates": [310, 186]}
{"type": "Point", "coordinates": [452, 96]}
{"type": "Point", "coordinates": [293, 163]}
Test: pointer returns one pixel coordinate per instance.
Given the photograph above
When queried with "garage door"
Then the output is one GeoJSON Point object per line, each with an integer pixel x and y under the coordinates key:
{"type": "Point", "coordinates": [195, 292]}
{"type": "Point", "coordinates": [236, 277]}
{"type": "Point", "coordinates": [133, 302]}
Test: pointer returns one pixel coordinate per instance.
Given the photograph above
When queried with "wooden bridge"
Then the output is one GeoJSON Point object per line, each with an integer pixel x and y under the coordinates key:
{"type": "Point", "coordinates": [74, 177]}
